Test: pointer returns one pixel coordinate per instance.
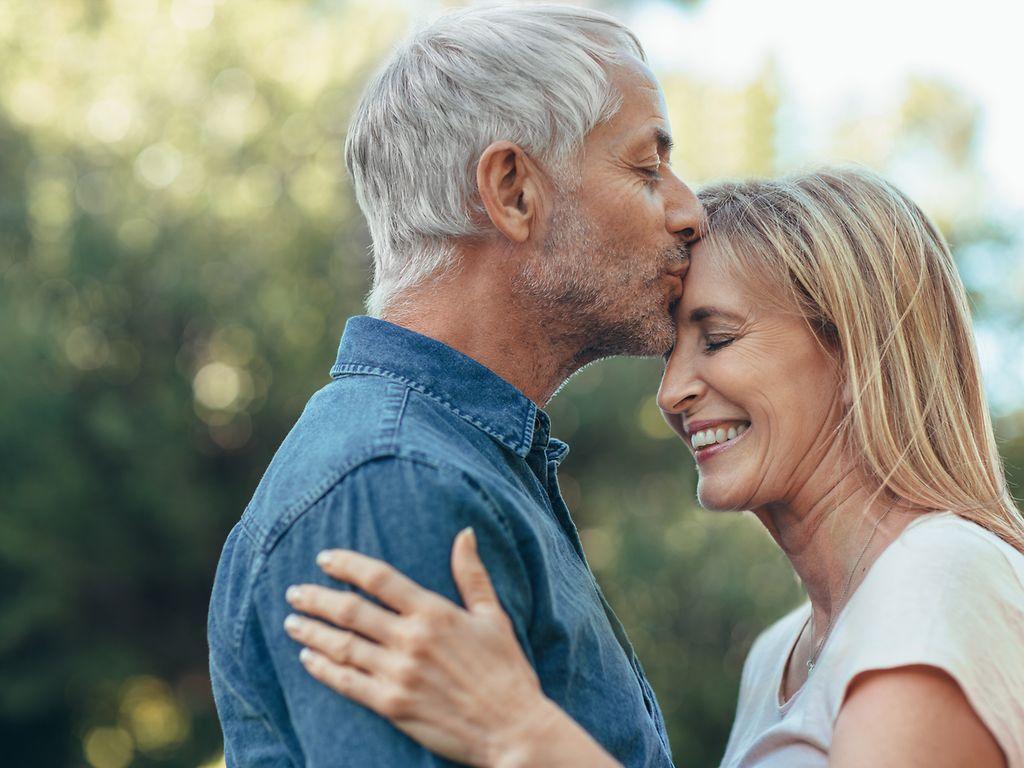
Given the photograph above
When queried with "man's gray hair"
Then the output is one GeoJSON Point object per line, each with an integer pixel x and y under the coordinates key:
{"type": "Point", "coordinates": [535, 75]}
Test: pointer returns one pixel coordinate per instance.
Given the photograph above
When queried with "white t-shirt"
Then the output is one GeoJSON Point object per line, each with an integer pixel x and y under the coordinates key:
{"type": "Point", "coordinates": [946, 593]}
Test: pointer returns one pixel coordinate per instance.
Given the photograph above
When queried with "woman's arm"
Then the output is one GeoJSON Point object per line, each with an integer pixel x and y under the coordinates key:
{"type": "Point", "coordinates": [453, 679]}
{"type": "Point", "coordinates": [911, 716]}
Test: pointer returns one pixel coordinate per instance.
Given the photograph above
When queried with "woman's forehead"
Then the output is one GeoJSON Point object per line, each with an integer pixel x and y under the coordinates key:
{"type": "Point", "coordinates": [709, 273]}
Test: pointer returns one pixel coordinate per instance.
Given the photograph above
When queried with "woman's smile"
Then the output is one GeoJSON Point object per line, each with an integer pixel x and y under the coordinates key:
{"type": "Point", "coordinates": [711, 437]}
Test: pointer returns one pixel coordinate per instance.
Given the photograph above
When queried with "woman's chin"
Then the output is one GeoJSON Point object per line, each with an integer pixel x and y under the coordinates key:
{"type": "Point", "coordinates": [716, 499]}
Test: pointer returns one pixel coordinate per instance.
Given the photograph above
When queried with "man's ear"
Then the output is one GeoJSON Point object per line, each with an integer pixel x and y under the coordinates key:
{"type": "Point", "coordinates": [510, 189]}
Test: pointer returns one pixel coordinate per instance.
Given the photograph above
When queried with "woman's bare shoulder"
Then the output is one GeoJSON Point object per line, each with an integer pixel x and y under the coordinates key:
{"type": "Point", "coordinates": [890, 714]}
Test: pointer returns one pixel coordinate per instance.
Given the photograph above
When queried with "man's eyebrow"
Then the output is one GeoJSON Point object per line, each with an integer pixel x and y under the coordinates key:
{"type": "Point", "coordinates": [703, 313]}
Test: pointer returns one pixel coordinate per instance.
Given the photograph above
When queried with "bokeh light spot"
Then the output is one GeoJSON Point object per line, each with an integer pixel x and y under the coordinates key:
{"type": "Point", "coordinates": [154, 716]}
{"type": "Point", "coordinates": [50, 203]}
{"type": "Point", "coordinates": [261, 186]}
{"type": "Point", "coordinates": [217, 385]}
{"type": "Point", "coordinates": [600, 546]}
{"type": "Point", "coordinates": [108, 748]}
{"type": "Point", "coordinates": [215, 762]}
{"type": "Point", "coordinates": [651, 422]}
{"type": "Point", "coordinates": [136, 10]}
{"type": "Point", "coordinates": [192, 14]}
{"type": "Point", "coordinates": [31, 101]}
{"type": "Point", "coordinates": [158, 165]}
{"type": "Point", "coordinates": [109, 120]}
{"type": "Point", "coordinates": [314, 188]}
{"type": "Point", "coordinates": [86, 348]}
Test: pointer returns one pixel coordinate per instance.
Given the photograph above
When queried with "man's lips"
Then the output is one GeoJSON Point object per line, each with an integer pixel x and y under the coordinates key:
{"type": "Point", "coordinates": [677, 287]}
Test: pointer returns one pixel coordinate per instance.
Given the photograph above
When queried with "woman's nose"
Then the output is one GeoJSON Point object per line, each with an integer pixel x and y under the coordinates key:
{"type": "Point", "coordinates": [680, 386]}
{"type": "Point", "coordinates": [669, 401]}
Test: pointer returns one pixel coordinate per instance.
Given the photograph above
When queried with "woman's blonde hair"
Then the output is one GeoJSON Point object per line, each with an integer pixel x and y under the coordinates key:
{"type": "Point", "coordinates": [876, 281]}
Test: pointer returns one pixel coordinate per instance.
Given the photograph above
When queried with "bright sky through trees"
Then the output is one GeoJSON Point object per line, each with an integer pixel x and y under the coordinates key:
{"type": "Point", "coordinates": [834, 55]}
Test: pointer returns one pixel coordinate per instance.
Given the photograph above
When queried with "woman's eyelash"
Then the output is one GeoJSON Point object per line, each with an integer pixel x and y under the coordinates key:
{"type": "Point", "coordinates": [713, 346]}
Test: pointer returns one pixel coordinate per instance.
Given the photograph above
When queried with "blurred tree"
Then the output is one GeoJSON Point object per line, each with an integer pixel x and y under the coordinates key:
{"type": "Point", "coordinates": [178, 255]}
{"type": "Point", "coordinates": [178, 252]}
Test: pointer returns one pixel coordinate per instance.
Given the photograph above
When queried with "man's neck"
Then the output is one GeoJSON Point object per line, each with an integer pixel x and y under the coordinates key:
{"type": "Point", "coordinates": [480, 320]}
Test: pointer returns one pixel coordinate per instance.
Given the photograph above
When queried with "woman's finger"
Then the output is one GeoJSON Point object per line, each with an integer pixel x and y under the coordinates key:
{"type": "Point", "coordinates": [471, 575]}
{"type": "Point", "coordinates": [376, 578]}
{"type": "Point", "coordinates": [345, 609]}
{"type": "Point", "coordinates": [362, 688]}
{"type": "Point", "coordinates": [338, 645]}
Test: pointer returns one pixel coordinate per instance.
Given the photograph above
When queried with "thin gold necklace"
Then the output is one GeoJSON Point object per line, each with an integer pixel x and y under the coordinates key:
{"type": "Point", "coordinates": [812, 660]}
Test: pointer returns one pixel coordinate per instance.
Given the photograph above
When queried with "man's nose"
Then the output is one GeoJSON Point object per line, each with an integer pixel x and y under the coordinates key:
{"type": "Point", "coordinates": [684, 216]}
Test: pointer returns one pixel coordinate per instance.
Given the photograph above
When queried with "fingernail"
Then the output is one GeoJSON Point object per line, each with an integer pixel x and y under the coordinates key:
{"type": "Point", "coordinates": [306, 656]}
{"type": "Point", "coordinates": [292, 623]}
{"type": "Point", "coordinates": [293, 594]}
{"type": "Point", "coordinates": [471, 535]}
{"type": "Point", "coordinates": [324, 558]}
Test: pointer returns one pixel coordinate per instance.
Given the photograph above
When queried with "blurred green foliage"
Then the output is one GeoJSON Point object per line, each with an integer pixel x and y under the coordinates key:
{"type": "Point", "coordinates": [178, 253]}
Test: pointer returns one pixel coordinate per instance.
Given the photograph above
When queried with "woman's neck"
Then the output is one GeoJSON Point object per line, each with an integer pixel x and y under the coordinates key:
{"type": "Point", "coordinates": [833, 537]}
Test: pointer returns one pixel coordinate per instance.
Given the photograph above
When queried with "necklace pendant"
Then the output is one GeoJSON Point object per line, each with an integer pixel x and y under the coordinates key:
{"type": "Point", "coordinates": [810, 666]}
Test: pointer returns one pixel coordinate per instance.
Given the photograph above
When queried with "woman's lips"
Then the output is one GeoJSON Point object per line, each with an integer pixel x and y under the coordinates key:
{"type": "Point", "coordinates": [707, 452]}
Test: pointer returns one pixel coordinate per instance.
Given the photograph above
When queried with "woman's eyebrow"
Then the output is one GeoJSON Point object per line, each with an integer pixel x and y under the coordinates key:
{"type": "Point", "coordinates": [703, 313]}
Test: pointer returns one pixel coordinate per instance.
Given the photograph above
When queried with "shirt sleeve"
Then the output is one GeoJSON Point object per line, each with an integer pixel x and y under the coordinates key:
{"type": "Point", "coordinates": [948, 595]}
{"type": "Point", "coordinates": [406, 512]}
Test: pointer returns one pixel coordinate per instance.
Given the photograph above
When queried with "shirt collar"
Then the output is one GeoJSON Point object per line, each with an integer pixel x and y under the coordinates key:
{"type": "Point", "coordinates": [468, 389]}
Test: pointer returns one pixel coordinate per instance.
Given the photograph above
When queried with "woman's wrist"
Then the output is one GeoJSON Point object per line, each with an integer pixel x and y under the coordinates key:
{"type": "Point", "coordinates": [515, 745]}
{"type": "Point", "coordinates": [545, 735]}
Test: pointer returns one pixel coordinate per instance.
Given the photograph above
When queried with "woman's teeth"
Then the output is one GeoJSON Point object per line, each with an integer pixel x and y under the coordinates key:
{"type": "Point", "coordinates": [707, 437]}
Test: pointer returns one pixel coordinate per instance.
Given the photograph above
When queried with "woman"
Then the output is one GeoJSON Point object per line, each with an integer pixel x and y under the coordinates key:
{"type": "Point", "coordinates": [825, 378]}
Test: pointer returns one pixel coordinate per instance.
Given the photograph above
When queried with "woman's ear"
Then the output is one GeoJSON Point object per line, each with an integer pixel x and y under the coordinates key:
{"type": "Point", "coordinates": [846, 391]}
{"type": "Point", "coordinates": [510, 189]}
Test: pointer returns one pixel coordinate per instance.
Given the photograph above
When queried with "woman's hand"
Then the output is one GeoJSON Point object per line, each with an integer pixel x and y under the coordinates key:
{"type": "Point", "coordinates": [454, 680]}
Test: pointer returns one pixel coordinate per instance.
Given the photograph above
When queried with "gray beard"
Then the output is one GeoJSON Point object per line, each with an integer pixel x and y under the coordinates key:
{"type": "Point", "coordinates": [580, 308]}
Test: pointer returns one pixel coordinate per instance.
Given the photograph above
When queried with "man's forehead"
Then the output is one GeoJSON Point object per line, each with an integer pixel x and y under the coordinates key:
{"type": "Point", "coordinates": [634, 72]}
{"type": "Point", "coordinates": [643, 116]}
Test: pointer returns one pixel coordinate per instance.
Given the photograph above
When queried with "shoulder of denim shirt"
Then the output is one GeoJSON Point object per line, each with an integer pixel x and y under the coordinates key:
{"type": "Point", "coordinates": [349, 450]}
{"type": "Point", "coordinates": [361, 419]}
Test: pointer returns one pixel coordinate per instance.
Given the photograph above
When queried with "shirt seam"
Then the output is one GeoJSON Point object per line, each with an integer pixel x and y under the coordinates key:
{"type": "Point", "coordinates": [225, 680]}
{"type": "Point", "coordinates": [978, 532]}
{"type": "Point", "coordinates": [392, 409]}
{"type": "Point", "coordinates": [519, 445]}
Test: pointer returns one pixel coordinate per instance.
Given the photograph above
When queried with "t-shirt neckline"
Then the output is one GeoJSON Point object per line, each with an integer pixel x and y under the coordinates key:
{"type": "Point", "coordinates": [784, 706]}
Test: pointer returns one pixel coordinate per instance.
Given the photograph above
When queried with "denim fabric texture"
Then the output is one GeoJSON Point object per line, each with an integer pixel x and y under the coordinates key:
{"type": "Point", "coordinates": [409, 443]}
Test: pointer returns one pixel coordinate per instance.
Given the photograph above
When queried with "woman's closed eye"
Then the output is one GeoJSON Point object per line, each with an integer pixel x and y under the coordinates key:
{"type": "Point", "coordinates": [713, 343]}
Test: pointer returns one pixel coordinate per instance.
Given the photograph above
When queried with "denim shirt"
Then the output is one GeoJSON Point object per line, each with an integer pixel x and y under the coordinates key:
{"type": "Point", "coordinates": [411, 442]}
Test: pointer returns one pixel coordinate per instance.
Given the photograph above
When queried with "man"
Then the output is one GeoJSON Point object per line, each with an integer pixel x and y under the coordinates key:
{"type": "Point", "coordinates": [512, 164]}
